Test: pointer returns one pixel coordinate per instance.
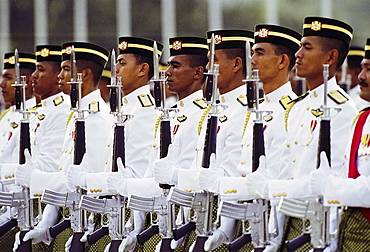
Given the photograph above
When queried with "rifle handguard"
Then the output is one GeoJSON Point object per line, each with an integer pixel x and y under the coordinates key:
{"type": "Point", "coordinates": [8, 226]}
{"type": "Point", "coordinates": [147, 234]}
{"type": "Point", "coordinates": [184, 230]}
{"type": "Point", "coordinates": [92, 204]}
{"type": "Point", "coordinates": [24, 246]}
{"type": "Point", "coordinates": [54, 198]}
{"type": "Point", "coordinates": [293, 207]}
{"type": "Point", "coordinates": [97, 235]}
{"type": "Point", "coordinates": [58, 228]}
{"type": "Point", "coordinates": [180, 197]}
{"type": "Point", "coordinates": [297, 242]}
{"type": "Point", "coordinates": [139, 203]}
{"type": "Point", "coordinates": [199, 244]}
{"type": "Point", "coordinates": [239, 243]}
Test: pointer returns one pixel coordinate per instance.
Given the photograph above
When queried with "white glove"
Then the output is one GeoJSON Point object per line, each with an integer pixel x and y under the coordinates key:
{"type": "Point", "coordinates": [76, 174]}
{"type": "Point", "coordinates": [175, 244]}
{"type": "Point", "coordinates": [114, 178]}
{"type": "Point", "coordinates": [209, 179]}
{"type": "Point", "coordinates": [215, 240]}
{"type": "Point", "coordinates": [129, 243]}
{"type": "Point", "coordinates": [257, 182]}
{"type": "Point", "coordinates": [23, 172]}
{"type": "Point", "coordinates": [319, 176]}
{"type": "Point", "coordinates": [165, 171]}
{"type": "Point", "coordinates": [37, 235]}
{"type": "Point", "coordinates": [90, 230]}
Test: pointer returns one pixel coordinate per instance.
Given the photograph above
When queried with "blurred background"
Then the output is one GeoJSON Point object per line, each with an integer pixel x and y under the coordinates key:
{"type": "Point", "coordinates": [25, 23]}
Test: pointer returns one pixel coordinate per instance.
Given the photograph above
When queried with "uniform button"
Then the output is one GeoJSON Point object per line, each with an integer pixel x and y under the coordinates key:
{"type": "Point", "coordinates": [154, 145]}
{"type": "Point", "coordinates": [108, 145]}
{"type": "Point", "coordinates": [106, 162]}
{"type": "Point", "coordinates": [243, 175]}
{"type": "Point", "coordinates": [274, 195]}
{"type": "Point", "coordinates": [293, 160]}
{"type": "Point", "coordinates": [307, 108]}
{"type": "Point", "coordinates": [302, 125]}
{"type": "Point", "coordinates": [283, 194]}
{"type": "Point", "coordinates": [196, 149]}
{"type": "Point", "coordinates": [288, 145]}
{"type": "Point", "coordinates": [307, 144]}
{"type": "Point", "coordinates": [296, 142]}
{"type": "Point", "coordinates": [69, 152]}
{"type": "Point", "coordinates": [60, 168]}
{"type": "Point", "coordinates": [279, 194]}
{"type": "Point", "coordinates": [242, 162]}
{"type": "Point", "coordinates": [366, 158]}
{"type": "Point", "coordinates": [247, 145]}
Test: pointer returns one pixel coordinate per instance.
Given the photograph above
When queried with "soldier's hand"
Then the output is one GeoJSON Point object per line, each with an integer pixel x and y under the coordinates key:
{"type": "Point", "coordinates": [76, 174]}
{"type": "Point", "coordinates": [257, 182]}
{"type": "Point", "coordinates": [23, 172]}
{"type": "Point", "coordinates": [209, 179]}
{"type": "Point", "coordinates": [165, 171]}
{"type": "Point", "coordinates": [115, 179]}
{"type": "Point", "coordinates": [319, 176]}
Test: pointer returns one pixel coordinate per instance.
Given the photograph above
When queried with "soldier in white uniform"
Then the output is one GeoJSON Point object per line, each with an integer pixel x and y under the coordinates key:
{"type": "Point", "coordinates": [273, 56]}
{"type": "Point", "coordinates": [325, 41]}
{"type": "Point", "coordinates": [185, 78]}
{"type": "Point", "coordinates": [91, 60]}
{"type": "Point", "coordinates": [135, 67]}
{"type": "Point", "coordinates": [10, 118]}
{"type": "Point", "coordinates": [351, 191]}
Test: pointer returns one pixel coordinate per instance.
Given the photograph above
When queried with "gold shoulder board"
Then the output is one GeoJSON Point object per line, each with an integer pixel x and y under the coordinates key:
{"type": "Point", "coordinates": [200, 102]}
{"type": "Point", "coordinates": [284, 101]}
{"type": "Point", "coordinates": [94, 106]}
{"type": "Point", "coordinates": [145, 100]}
{"type": "Point", "coordinates": [337, 96]}
{"type": "Point", "coordinates": [59, 100]}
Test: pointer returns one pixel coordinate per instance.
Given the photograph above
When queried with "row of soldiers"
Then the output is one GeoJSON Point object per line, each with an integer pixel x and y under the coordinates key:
{"type": "Point", "coordinates": [291, 130]}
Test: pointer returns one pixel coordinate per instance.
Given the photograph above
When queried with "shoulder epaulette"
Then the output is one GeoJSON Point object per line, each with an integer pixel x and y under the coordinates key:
{"type": "Point", "coordinates": [284, 101]}
{"type": "Point", "coordinates": [58, 100]}
{"type": "Point", "coordinates": [4, 113]}
{"type": "Point", "coordinates": [337, 96]}
{"type": "Point", "coordinates": [41, 117]}
{"type": "Point", "coordinates": [242, 99]}
{"type": "Point", "coordinates": [289, 107]}
{"type": "Point", "coordinates": [200, 102]}
{"type": "Point", "coordinates": [14, 125]}
{"type": "Point", "coordinates": [94, 106]}
{"type": "Point", "coordinates": [260, 100]}
{"type": "Point", "coordinates": [35, 107]}
{"type": "Point", "coordinates": [145, 100]}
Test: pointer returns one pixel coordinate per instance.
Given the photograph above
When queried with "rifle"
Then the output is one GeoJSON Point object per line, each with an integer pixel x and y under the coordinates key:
{"type": "Point", "coordinates": [21, 200]}
{"type": "Point", "coordinates": [313, 210]}
{"type": "Point", "coordinates": [117, 202]}
{"type": "Point", "coordinates": [255, 212]}
{"type": "Point", "coordinates": [77, 218]}
{"type": "Point", "coordinates": [165, 211]}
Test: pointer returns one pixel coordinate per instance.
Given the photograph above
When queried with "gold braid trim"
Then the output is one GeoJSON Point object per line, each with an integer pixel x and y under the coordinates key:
{"type": "Point", "coordinates": [287, 111]}
{"type": "Point", "coordinates": [202, 118]}
{"type": "Point", "coordinates": [356, 117]}
{"type": "Point", "coordinates": [69, 118]}
{"type": "Point", "coordinates": [247, 116]}
{"type": "Point", "coordinates": [4, 113]}
{"type": "Point", "coordinates": [156, 126]}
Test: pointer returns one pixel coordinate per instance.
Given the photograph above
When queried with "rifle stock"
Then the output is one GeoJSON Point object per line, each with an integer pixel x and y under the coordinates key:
{"type": "Point", "coordinates": [184, 230]}
{"type": "Point", "coordinates": [199, 244]}
{"type": "Point", "coordinates": [24, 246]}
{"type": "Point", "coordinates": [147, 234]}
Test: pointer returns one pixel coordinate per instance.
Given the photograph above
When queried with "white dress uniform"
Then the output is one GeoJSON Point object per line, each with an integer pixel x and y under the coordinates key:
{"type": "Point", "coordinates": [354, 93]}
{"type": "Point", "coordinates": [138, 140]}
{"type": "Point", "coordinates": [184, 140]}
{"type": "Point", "coordinates": [342, 191]}
{"type": "Point", "coordinates": [229, 138]}
{"type": "Point", "coordinates": [303, 128]}
{"type": "Point", "coordinates": [97, 128]}
{"type": "Point", "coordinates": [9, 133]}
{"type": "Point", "coordinates": [234, 188]}
{"type": "Point", "coordinates": [47, 132]}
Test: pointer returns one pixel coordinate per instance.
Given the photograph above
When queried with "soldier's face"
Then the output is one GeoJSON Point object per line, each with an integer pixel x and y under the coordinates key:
{"type": "Point", "coordinates": [44, 79]}
{"type": "Point", "coordinates": [310, 58]}
{"type": "Point", "coordinates": [225, 68]}
{"type": "Point", "coordinates": [65, 76]}
{"type": "Point", "coordinates": [7, 80]}
{"type": "Point", "coordinates": [179, 75]}
{"type": "Point", "coordinates": [127, 69]}
{"type": "Point", "coordinates": [364, 78]}
{"type": "Point", "coordinates": [266, 61]}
